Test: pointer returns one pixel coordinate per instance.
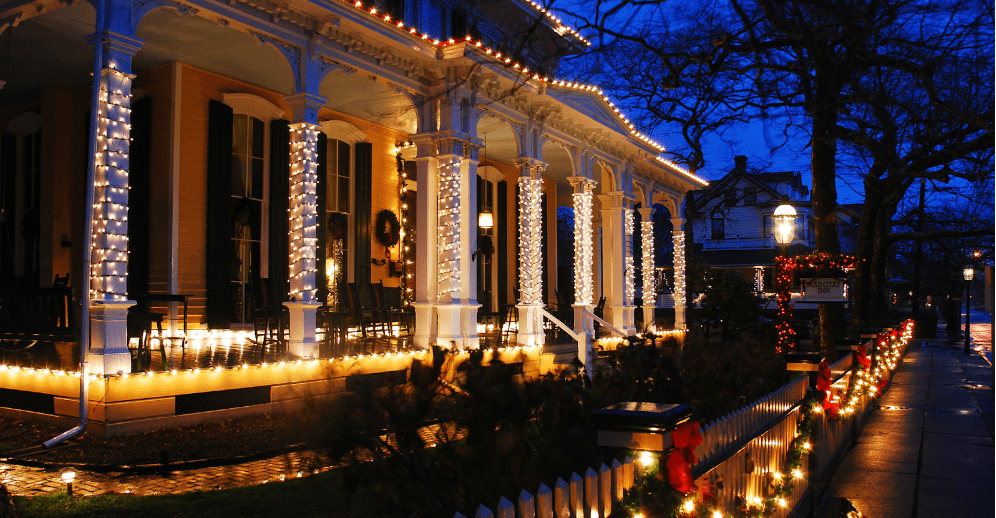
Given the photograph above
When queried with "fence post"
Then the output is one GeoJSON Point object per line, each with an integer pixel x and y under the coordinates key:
{"type": "Point", "coordinates": [605, 490]}
{"type": "Point", "coordinates": [527, 505]}
{"type": "Point", "coordinates": [506, 509]}
{"type": "Point", "coordinates": [628, 480]}
{"type": "Point", "coordinates": [618, 481]}
{"type": "Point", "coordinates": [561, 496]}
{"type": "Point", "coordinates": [591, 492]}
{"type": "Point", "coordinates": [544, 502]}
{"type": "Point", "coordinates": [483, 512]}
{"type": "Point", "coordinates": [577, 496]}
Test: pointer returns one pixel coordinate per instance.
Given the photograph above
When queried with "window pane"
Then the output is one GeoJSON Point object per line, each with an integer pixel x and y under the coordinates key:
{"type": "Point", "coordinates": [239, 134]}
{"type": "Point", "coordinates": [257, 178]}
{"type": "Point", "coordinates": [343, 169]}
{"type": "Point", "coordinates": [343, 195]}
{"type": "Point", "coordinates": [257, 138]}
{"type": "Point", "coordinates": [238, 175]}
{"type": "Point", "coordinates": [256, 208]}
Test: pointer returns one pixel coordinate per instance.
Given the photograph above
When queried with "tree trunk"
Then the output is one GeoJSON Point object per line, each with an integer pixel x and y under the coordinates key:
{"type": "Point", "coordinates": [824, 197]}
{"type": "Point", "coordinates": [861, 309]}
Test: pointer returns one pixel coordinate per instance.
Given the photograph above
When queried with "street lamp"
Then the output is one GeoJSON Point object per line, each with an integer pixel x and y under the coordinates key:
{"type": "Point", "coordinates": [784, 217]}
{"type": "Point", "coordinates": [969, 274]}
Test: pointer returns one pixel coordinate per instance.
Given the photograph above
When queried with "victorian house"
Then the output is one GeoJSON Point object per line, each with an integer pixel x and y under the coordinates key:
{"type": "Point", "coordinates": [217, 158]}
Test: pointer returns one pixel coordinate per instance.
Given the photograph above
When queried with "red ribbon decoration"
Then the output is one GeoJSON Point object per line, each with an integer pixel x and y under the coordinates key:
{"type": "Point", "coordinates": [679, 472]}
{"type": "Point", "coordinates": [863, 356]}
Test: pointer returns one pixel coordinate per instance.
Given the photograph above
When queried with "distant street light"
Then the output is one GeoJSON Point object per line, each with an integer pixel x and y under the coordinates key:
{"type": "Point", "coordinates": [784, 217]}
{"type": "Point", "coordinates": [969, 274]}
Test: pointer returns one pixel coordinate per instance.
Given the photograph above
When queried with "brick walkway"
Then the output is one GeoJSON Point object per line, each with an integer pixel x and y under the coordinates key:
{"type": "Point", "coordinates": [31, 481]}
{"type": "Point", "coordinates": [928, 449]}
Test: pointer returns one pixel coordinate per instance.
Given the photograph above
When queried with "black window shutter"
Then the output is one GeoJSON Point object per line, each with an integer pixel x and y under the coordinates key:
{"type": "Point", "coordinates": [8, 179]}
{"type": "Point", "coordinates": [322, 231]}
{"type": "Point", "coordinates": [279, 191]}
{"type": "Point", "coordinates": [364, 186]}
{"type": "Point", "coordinates": [501, 212]}
{"type": "Point", "coordinates": [219, 217]}
{"type": "Point", "coordinates": [544, 245]}
{"type": "Point", "coordinates": [139, 163]}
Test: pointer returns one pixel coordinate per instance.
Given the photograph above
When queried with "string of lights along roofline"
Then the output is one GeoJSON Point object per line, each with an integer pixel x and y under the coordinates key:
{"type": "Point", "coordinates": [536, 76]}
{"type": "Point", "coordinates": [109, 263]}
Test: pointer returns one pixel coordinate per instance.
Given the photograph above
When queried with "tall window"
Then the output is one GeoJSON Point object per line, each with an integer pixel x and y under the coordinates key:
{"type": "Point", "coordinates": [337, 209]}
{"type": "Point", "coordinates": [718, 227]}
{"type": "Point", "coordinates": [20, 199]}
{"type": "Point", "coordinates": [248, 183]}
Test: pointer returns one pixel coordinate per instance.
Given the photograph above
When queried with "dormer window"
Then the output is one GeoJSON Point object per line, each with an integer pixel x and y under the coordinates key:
{"type": "Point", "coordinates": [750, 195]}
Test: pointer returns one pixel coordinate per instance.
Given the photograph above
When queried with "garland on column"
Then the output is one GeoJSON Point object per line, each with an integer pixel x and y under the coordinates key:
{"type": "Point", "coordinates": [407, 234]}
{"type": "Point", "coordinates": [824, 264]}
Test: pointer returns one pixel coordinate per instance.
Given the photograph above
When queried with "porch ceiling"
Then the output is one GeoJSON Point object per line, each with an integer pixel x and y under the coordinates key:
{"type": "Point", "coordinates": [50, 49]}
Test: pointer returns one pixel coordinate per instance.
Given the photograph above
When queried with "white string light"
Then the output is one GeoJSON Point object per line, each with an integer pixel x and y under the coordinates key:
{"type": "Point", "coordinates": [679, 269]}
{"type": "Point", "coordinates": [448, 228]}
{"type": "Point", "coordinates": [303, 213]}
{"type": "Point", "coordinates": [647, 240]}
{"type": "Point", "coordinates": [630, 277]}
{"type": "Point", "coordinates": [530, 236]}
{"type": "Point", "coordinates": [583, 242]}
{"type": "Point", "coordinates": [109, 261]}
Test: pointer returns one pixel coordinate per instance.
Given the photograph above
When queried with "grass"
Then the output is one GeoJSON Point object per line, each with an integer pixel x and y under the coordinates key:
{"type": "Point", "coordinates": [318, 495]}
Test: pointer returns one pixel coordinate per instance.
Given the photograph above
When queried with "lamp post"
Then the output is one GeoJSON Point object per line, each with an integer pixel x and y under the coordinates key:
{"type": "Point", "coordinates": [969, 274]}
{"type": "Point", "coordinates": [68, 476]}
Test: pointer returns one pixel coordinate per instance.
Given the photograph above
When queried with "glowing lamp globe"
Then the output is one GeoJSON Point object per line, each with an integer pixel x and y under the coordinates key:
{"type": "Point", "coordinates": [784, 217]}
{"type": "Point", "coordinates": [969, 273]}
{"type": "Point", "coordinates": [485, 220]}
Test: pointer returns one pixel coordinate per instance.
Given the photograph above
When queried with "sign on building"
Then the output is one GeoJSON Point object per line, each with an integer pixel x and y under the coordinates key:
{"type": "Point", "coordinates": [823, 289]}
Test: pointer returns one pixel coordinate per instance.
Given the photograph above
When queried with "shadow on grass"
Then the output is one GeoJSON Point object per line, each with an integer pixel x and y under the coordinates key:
{"type": "Point", "coordinates": [318, 495]}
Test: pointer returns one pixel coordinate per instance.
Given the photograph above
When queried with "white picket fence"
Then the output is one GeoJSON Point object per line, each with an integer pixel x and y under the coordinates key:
{"type": "Point", "coordinates": [590, 496]}
{"type": "Point", "coordinates": [743, 452]}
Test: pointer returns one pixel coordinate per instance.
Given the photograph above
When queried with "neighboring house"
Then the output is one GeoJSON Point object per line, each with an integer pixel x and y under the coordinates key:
{"type": "Point", "coordinates": [237, 145]}
{"type": "Point", "coordinates": [733, 227]}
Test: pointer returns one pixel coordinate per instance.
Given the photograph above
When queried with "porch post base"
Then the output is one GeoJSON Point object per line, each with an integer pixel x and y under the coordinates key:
{"type": "Point", "coordinates": [530, 325]}
{"type": "Point", "coordinates": [425, 325]}
{"type": "Point", "coordinates": [648, 317]}
{"type": "Point", "coordinates": [583, 322]}
{"type": "Point", "coordinates": [455, 333]}
{"type": "Point", "coordinates": [679, 317]}
{"type": "Point", "coordinates": [302, 343]}
{"type": "Point", "coordinates": [109, 353]}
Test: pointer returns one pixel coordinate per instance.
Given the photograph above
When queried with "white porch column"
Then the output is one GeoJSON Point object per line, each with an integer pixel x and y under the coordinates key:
{"type": "Point", "coordinates": [678, 234]}
{"type": "Point", "coordinates": [425, 232]}
{"type": "Point", "coordinates": [584, 293]}
{"type": "Point", "coordinates": [617, 261]}
{"type": "Point", "coordinates": [109, 252]}
{"type": "Point", "coordinates": [649, 281]}
{"type": "Point", "coordinates": [530, 251]}
{"type": "Point", "coordinates": [303, 223]}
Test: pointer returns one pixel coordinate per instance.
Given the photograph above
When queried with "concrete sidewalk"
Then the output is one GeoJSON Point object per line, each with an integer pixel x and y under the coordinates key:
{"type": "Point", "coordinates": [928, 449]}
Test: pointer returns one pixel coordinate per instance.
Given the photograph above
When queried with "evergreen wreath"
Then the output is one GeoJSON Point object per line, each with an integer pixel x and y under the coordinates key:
{"type": "Point", "coordinates": [387, 228]}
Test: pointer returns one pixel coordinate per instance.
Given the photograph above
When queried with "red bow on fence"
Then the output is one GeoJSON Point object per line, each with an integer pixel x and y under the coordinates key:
{"type": "Point", "coordinates": [686, 437]}
{"type": "Point", "coordinates": [863, 356]}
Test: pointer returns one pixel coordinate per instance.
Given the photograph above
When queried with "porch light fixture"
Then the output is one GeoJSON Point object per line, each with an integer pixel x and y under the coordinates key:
{"type": "Point", "coordinates": [485, 220]}
{"type": "Point", "coordinates": [969, 273]}
{"type": "Point", "coordinates": [784, 223]}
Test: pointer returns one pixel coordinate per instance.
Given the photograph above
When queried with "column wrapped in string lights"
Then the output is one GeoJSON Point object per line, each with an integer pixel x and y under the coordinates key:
{"type": "Point", "coordinates": [303, 211]}
{"type": "Point", "coordinates": [647, 242]}
{"type": "Point", "coordinates": [448, 228]}
{"type": "Point", "coordinates": [109, 262]}
{"type": "Point", "coordinates": [583, 207]}
{"type": "Point", "coordinates": [630, 275]}
{"type": "Point", "coordinates": [531, 236]}
{"type": "Point", "coordinates": [679, 268]}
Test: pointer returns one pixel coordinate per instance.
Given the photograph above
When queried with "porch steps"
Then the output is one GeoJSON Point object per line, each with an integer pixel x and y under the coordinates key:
{"type": "Point", "coordinates": [563, 354]}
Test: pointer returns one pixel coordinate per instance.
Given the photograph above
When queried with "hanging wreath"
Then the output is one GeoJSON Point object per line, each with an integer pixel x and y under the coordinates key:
{"type": "Point", "coordinates": [387, 228]}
